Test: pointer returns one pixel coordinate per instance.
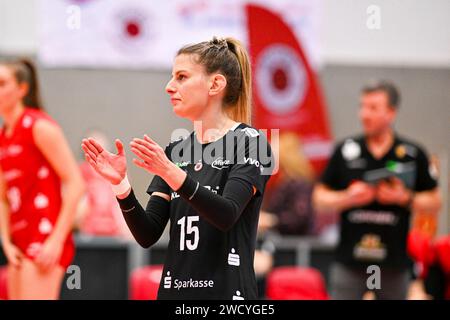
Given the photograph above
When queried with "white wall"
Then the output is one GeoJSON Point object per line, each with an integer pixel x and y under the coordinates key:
{"type": "Point", "coordinates": [413, 32]}
{"type": "Point", "coordinates": [18, 26]}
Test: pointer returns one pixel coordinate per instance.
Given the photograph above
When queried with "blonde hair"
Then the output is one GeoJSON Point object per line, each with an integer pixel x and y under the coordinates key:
{"type": "Point", "coordinates": [293, 162]}
{"type": "Point", "coordinates": [229, 57]}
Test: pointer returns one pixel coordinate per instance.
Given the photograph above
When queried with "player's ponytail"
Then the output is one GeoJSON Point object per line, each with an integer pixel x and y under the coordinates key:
{"type": "Point", "coordinates": [242, 111]}
{"type": "Point", "coordinates": [32, 99]}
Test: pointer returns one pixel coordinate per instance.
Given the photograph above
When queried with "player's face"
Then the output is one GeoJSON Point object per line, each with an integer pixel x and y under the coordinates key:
{"type": "Point", "coordinates": [375, 113]}
{"type": "Point", "coordinates": [188, 88]}
{"type": "Point", "coordinates": [10, 91]}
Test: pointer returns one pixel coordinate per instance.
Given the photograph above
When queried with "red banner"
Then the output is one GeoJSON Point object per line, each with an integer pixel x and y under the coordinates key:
{"type": "Point", "coordinates": [286, 93]}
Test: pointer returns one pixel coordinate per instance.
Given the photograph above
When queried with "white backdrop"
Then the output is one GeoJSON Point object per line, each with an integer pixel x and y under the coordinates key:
{"type": "Point", "coordinates": [147, 34]}
{"type": "Point", "coordinates": [413, 32]}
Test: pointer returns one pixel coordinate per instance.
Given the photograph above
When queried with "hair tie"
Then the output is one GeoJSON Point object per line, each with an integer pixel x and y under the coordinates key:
{"type": "Point", "coordinates": [221, 43]}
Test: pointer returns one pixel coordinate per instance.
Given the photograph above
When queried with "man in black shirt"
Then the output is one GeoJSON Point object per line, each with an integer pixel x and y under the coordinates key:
{"type": "Point", "coordinates": [375, 180]}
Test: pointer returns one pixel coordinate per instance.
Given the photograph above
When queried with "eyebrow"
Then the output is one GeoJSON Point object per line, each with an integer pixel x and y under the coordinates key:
{"type": "Point", "coordinates": [179, 71]}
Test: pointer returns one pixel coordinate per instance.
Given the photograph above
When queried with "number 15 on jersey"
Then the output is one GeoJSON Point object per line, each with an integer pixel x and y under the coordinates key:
{"type": "Point", "coordinates": [187, 228]}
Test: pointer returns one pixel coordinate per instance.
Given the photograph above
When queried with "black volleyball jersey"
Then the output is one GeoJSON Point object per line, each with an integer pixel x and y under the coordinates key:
{"type": "Point", "coordinates": [376, 233]}
{"type": "Point", "coordinates": [203, 262]}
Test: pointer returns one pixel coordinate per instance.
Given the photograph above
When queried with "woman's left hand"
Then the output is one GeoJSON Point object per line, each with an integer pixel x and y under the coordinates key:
{"type": "Point", "coordinates": [151, 156]}
{"type": "Point", "coordinates": [49, 254]}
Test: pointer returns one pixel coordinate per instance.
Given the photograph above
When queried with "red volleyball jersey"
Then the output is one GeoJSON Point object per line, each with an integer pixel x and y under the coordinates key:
{"type": "Point", "coordinates": [33, 188]}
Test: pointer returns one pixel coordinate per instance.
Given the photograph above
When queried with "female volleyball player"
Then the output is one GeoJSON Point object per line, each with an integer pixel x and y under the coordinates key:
{"type": "Point", "coordinates": [209, 184]}
{"type": "Point", "coordinates": [36, 163]}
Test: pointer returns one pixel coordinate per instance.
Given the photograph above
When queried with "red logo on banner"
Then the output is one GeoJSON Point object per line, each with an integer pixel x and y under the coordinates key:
{"type": "Point", "coordinates": [286, 93]}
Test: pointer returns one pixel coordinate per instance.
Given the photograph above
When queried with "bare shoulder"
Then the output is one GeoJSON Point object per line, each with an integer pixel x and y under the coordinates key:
{"type": "Point", "coordinates": [45, 130]}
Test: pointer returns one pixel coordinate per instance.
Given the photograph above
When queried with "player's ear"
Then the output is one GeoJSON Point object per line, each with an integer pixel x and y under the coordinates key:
{"type": "Point", "coordinates": [218, 83]}
{"type": "Point", "coordinates": [23, 89]}
{"type": "Point", "coordinates": [392, 113]}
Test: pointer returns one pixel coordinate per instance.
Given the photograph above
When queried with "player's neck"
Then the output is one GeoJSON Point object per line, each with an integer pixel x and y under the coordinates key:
{"type": "Point", "coordinates": [379, 144]}
{"type": "Point", "coordinates": [12, 116]}
{"type": "Point", "coordinates": [212, 126]}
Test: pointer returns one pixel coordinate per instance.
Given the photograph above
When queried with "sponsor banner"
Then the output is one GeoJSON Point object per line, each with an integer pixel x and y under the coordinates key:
{"type": "Point", "coordinates": [148, 33]}
{"type": "Point", "coordinates": [286, 92]}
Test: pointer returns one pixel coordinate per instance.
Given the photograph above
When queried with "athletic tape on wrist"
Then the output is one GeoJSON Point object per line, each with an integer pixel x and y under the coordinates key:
{"type": "Point", "coordinates": [122, 187]}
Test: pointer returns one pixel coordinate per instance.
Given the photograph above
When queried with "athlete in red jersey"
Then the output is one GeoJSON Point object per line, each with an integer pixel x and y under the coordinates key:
{"type": "Point", "coordinates": [36, 217]}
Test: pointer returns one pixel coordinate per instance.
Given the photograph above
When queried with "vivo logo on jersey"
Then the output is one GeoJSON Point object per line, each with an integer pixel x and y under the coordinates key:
{"type": "Point", "coordinates": [220, 163]}
{"type": "Point", "coordinates": [251, 161]}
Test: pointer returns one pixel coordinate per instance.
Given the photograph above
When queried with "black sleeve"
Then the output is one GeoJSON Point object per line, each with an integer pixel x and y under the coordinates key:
{"type": "Point", "coordinates": [158, 185]}
{"type": "Point", "coordinates": [424, 181]}
{"type": "Point", "coordinates": [222, 211]}
{"type": "Point", "coordinates": [146, 225]}
{"type": "Point", "coordinates": [254, 161]}
{"type": "Point", "coordinates": [330, 176]}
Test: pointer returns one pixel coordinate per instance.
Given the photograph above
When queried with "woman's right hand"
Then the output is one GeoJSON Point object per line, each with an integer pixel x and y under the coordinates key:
{"type": "Point", "coordinates": [13, 254]}
{"type": "Point", "coordinates": [112, 167]}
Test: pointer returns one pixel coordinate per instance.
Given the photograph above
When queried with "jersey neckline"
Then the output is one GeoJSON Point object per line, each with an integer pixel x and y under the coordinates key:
{"type": "Point", "coordinates": [15, 128]}
{"type": "Point", "coordinates": [233, 128]}
{"type": "Point", "coordinates": [389, 152]}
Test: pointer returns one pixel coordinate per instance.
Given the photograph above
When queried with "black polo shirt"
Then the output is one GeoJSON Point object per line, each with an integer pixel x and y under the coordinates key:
{"type": "Point", "coordinates": [376, 233]}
